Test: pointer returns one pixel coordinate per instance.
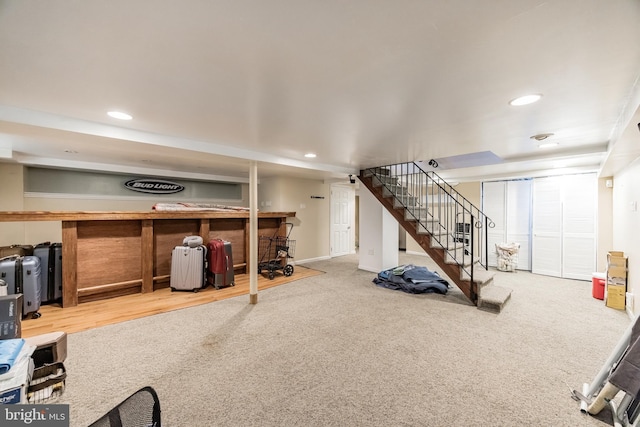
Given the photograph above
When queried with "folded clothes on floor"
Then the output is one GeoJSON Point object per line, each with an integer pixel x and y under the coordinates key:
{"type": "Point", "coordinates": [412, 279]}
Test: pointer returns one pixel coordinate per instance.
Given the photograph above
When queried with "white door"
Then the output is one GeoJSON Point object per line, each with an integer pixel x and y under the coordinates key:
{"type": "Point", "coordinates": [564, 226]}
{"type": "Point", "coordinates": [579, 227]}
{"type": "Point", "coordinates": [519, 220]}
{"type": "Point", "coordinates": [508, 205]}
{"type": "Point", "coordinates": [493, 206]}
{"type": "Point", "coordinates": [547, 227]}
{"type": "Point", "coordinates": [342, 220]}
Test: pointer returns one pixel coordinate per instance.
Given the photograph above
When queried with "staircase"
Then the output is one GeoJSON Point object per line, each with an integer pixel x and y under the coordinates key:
{"type": "Point", "coordinates": [451, 230]}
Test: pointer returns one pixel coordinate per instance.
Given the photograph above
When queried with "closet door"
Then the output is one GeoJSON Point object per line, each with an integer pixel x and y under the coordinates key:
{"type": "Point", "coordinates": [494, 206]}
{"type": "Point", "coordinates": [519, 220]}
{"type": "Point", "coordinates": [564, 226]}
{"type": "Point", "coordinates": [547, 227]}
{"type": "Point", "coordinates": [579, 226]}
{"type": "Point", "coordinates": [508, 204]}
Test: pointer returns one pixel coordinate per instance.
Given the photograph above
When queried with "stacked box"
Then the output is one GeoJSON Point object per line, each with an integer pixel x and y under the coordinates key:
{"type": "Point", "coordinates": [10, 316]}
{"type": "Point", "coordinates": [616, 279]}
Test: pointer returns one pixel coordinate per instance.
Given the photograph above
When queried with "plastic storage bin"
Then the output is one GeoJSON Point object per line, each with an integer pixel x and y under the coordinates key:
{"type": "Point", "coordinates": [599, 281]}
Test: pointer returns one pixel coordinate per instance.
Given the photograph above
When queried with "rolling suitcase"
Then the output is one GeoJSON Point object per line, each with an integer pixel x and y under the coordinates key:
{"type": "Point", "coordinates": [188, 268]}
{"type": "Point", "coordinates": [220, 265]}
{"type": "Point", "coordinates": [50, 255]}
{"type": "Point", "coordinates": [22, 275]}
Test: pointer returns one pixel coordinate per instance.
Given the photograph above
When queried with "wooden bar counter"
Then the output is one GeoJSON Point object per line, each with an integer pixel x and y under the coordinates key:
{"type": "Point", "coordinates": [108, 254]}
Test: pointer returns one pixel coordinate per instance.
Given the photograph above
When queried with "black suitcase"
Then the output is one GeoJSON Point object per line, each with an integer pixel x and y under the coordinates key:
{"type": "Point", "coordinates": [220, 266]}
{"type": "Point", "coordinates": [22, 275]}
{"type": "Point", "coordinates": [50, 255]}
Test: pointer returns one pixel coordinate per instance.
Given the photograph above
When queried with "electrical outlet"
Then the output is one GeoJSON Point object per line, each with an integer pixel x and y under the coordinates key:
{"type": "Point", "coordinates": [629, 300]}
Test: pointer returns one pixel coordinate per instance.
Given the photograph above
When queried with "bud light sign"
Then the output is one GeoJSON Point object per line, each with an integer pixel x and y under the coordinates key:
{"type": "Point", "coordinates": [153, 186]}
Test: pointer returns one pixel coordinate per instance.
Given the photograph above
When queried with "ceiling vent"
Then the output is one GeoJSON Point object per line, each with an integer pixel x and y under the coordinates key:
{"type": "Point", "coordinates": [541, 136]}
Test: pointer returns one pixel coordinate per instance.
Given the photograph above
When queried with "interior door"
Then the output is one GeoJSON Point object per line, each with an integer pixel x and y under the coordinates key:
{"type": "Point", "coordinates": [494, 206]}
{"type": "Point", "coordinates": [518, 214]}
{"type": "Point", "coordinates": [342, 220]}
{"type": "Point", "coordinates": [547, 226]}
{"type": "Point", "coordinates": [579, 227]}
{"type": "Point", "coordinates": [508, 204]}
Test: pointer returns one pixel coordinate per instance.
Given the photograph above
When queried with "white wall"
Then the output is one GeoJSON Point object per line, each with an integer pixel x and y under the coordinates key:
{"type": "Point", "coordinates": [604, 237]}
{"type": "Point", "coordinates": [311, 224]}
{"type": "Point", "coordinates": [378, 234]}
{"type": "Point", "coordinates": [626, 224]}
{"type": "Point", "coordinates": [13, 198]}
{"type": "Point", "coordinates": [11, 190]}
{"type": "Point", "coordinates": [311, 229]}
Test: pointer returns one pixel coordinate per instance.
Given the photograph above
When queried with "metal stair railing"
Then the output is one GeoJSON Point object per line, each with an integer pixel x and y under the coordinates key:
{"type": "Point", "coordinates": [457, 225]}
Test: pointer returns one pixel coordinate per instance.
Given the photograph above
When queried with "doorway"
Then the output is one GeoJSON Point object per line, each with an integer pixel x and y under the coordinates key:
{"type": "Point", "coordinates": [343, 201]}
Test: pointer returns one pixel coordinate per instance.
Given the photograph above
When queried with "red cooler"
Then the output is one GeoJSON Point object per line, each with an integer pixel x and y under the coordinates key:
{"type": "Point", "coordinates": [599, 281]}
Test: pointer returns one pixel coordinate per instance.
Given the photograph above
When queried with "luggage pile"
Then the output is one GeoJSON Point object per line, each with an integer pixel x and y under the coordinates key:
{"type": "Point", "coordinates": [195, 265]}
{"type": "Point", "coordinates": [33, 272]}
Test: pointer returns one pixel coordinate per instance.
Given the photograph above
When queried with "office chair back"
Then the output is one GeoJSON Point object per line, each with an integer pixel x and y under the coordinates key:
{"type": "Point", "coordinates": [141, 409]}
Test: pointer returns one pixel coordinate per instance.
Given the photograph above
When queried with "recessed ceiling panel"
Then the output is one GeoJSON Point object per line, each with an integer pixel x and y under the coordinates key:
{"type": "Point", "coordinates": [482, 158]}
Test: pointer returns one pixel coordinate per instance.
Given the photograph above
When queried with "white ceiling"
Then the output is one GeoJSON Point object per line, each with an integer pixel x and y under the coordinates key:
{"type": "Point", "coordinates": [214, 83]}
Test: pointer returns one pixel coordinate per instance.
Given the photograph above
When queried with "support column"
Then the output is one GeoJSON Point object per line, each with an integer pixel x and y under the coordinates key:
{"type": "Point", "coordinates": [379, 235]}
{"type": "Point", "coordinates": [253, 233]}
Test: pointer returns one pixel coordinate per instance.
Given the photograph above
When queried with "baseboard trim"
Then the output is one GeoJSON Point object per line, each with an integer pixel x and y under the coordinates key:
{"type": "Point", "coordinates": [305, 261]}
{"type": "Point", "coordinates": [416, 253]}
{"type": "Point", "coordinates": [367, 268]}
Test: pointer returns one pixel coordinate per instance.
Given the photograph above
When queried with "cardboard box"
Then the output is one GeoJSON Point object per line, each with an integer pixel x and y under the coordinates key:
{"type": "Point", "coordinates": [50, 348]}
{"type": "Point", "coordinates": [10, 316]}
{"type": "Point", "coordinates": [616, 268]}
{"type": "Point", "coordinates": [617, 261]}
{"type": "Point", "coordinates": [616, 296]}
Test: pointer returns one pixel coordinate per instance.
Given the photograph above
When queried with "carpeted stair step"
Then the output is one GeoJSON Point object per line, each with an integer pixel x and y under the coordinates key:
{"type": "Point", "coordinates": [404, 201]}
{"type": "Point", "coordinates": [481, 276]}
{"type": "Point", "coordinates": [418, 212]}
{"type": "Point", "coordinates": [440, 243]}
{"type": "Point", "coordinates": [379, 181]}
{"type": "Point", "coordinates": [394, 191]}
{"type": "Point", "coordinates": [493, 298]}
{"type": "Point", "coordinates": [459, 256]}
{"type": "Point", "coordinates": [427, 226]}
{"type": "Point", "coordinates": [376, 171]}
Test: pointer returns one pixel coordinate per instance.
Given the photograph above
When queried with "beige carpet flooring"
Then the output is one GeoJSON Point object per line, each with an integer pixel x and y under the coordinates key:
{"type": "Point", "coordinates": [337, 350]}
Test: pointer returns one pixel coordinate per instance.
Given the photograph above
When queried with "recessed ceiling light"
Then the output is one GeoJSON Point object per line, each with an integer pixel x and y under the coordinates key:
{"type": "Point", "coordinates": [310, 155]}
{"type": "Point", "coordinates": [527, 99]}
{"type": "Point", "coordinates": [120, 115]}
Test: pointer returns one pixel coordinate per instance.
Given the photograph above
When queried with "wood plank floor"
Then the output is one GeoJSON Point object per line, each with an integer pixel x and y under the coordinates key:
{"type": "Point", "coordinates": [105, 312]}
